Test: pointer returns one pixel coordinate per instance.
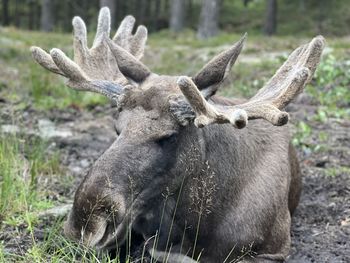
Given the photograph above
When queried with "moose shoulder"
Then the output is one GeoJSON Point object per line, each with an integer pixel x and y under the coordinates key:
{"type": "Point", "coordinates": [193, 175]}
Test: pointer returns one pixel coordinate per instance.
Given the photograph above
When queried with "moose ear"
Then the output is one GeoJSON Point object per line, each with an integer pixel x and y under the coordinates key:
{"type": "Point", "coordinates": [209, 78]}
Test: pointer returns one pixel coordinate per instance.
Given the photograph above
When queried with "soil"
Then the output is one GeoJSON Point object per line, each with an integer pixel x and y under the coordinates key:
{"type": "Point", "coordinates": [321, 223]}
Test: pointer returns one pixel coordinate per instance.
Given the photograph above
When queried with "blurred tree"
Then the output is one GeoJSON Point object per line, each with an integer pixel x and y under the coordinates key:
{"type": "Point", "coordinates": [208, 21]}
{"type": "Point", "coordinates": [271, 17]}
{"type": "Point", "coordinates": [177, 15]}
{"type": "Point", "coordinates": [30, 14]}
{"type": "Point", "coordinates": [140, 10]}
{"type": "Point", "coordinates": [46, 20]}
{"type": "Point", "coordinates": [156, 14]}
{"type": "Point", "coordinates": [323, 16]}
{"type": "Point", "coordinates": [111, 4]}
{"type": "Point", "coordinates": [246, 2]}
{"type": "Point", "coordinates": [324, 8]}
{"type": "Point", "coordinates": [302, 6]}
{"type": "Point", "coordinates": [5, 13]}
{"type": "Point", "coordinates": [17, 16]}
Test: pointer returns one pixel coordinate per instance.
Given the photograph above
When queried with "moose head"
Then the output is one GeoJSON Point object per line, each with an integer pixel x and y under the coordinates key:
{"type": "Point", "coordinates": [181, 152]}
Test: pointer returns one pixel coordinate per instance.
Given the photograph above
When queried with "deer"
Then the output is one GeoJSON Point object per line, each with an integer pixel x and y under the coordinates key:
{"type": "Point", "coordinates": [194, 176]}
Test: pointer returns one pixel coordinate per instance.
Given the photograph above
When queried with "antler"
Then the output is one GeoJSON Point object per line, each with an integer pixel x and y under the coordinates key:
{"type": "Point", "coordinates": [207, 113]}
{"type": "Point", "coordinates": [285, 85]}
{"type": "Point", "coordinates": [289, 80]}
{"type": "Point", "coordinates": [95, 69]}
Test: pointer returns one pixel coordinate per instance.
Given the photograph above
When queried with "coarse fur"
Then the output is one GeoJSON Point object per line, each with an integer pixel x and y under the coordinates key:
{"type": "Point", "coordinates": [187, 173]}
{"type": "Point", "coordinates": [157, 167]}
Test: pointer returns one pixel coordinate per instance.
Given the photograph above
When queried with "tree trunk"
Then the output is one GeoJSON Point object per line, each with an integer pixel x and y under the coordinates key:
{"type": "Point", "coordinates": [141, 11]}
{"type": "Point", "coordinates": [246, 2]}
{"type": "Point", "coordinates": [46, 21]}
{"type": "Point", "coordinates": [31, 15]}
{"type": "Point", "coordinates": [5, 13]}
{"type": "Point", "coordinates": [177, 15]}
{"type": "Point", "coordinates": [271, 18]}
{"type": "Point", "coordinates": [302, 6]}
{"type": "Point", "coordinates": [112, 7]}
{"type": "Point", "coordinates": [156, 15]}
{"type": "Point", "coordinates": [17, 15]}
{"type": "Point", "coordinates": [208, 21]}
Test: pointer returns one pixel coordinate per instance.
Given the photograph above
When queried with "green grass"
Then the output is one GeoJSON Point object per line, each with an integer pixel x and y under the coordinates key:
{"type": "Point", "coordinates": [331, 89]}
{"type": "Point", "coordinates": [24, 162]}
{"type": "Point", "coordinates": [24, 165]}
{"type": "Point", "coordinates": [335, 171]}
{"type": "Point", "coordinates": [56, 248]}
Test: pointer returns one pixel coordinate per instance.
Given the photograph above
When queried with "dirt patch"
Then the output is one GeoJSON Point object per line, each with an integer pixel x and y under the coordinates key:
{"type": "Point", "coordinates": [321, 224]}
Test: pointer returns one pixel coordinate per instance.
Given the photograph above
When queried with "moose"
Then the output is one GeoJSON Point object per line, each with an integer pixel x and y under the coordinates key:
{"type": "Point", "coordinates": [195, 176]}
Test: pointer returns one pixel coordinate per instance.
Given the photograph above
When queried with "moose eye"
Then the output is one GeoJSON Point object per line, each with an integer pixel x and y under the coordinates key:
{"type": "Point", "coordinates": [167, 138]}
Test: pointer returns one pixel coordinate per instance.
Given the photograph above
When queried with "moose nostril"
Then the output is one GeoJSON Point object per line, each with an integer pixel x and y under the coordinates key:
{"type": "Point", "coordinates": [104, 239]}
{"type": "Point", "coordinates": [96, 236]}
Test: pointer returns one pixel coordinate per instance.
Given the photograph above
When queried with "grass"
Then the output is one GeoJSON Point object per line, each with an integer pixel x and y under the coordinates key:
{"type": "Point", "coordinates": [335, 171]}
{"type": "Point", "coordinates": [26, 166]}
{"type": "Point", "coordinates": [330, 91]}
{"type": "Point", "coordinates": [24, 162]}
{"type": "Point", "coordinates": [55, 248]}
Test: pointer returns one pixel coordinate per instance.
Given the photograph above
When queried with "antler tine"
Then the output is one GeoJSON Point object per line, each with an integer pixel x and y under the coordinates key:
{"type": "Point", "coordinates": [270, 109]}
{"type": "Point", "coordinates": [313, 54]}
{"type": "Point", "coordinates": [79, 40]}
{"type": "Point", "coordinates": [45, 60]}
{"type": "Point", "coordinates": [67, 66]}
{"type": "Point", "coordinates": [103, 26]}
{"type": "Point", "coordinates": [134, 44]}
{"type": "Point", "coordinates": [124, 30]}
{"type": "Point", "coordinates": [138, 42]}
{"type": "Point", "coordinates": [93, 69]}
{"type": "Point", "coordinates": [286, 84]}
{"type": "Point", "coordinates": [207, 113]}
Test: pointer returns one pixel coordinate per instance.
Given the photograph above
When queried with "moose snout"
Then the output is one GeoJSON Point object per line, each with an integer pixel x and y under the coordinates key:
{"type": "Point", "coordinates": [98, 224]}
{"type": "Point", "coordinates": [90, 235]}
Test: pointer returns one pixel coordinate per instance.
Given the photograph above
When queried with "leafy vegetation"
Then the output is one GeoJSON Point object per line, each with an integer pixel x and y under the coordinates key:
{"type": "Point", "coordinates": [331, 89]}
{"type": "Point", "coordinates": [23, 163]}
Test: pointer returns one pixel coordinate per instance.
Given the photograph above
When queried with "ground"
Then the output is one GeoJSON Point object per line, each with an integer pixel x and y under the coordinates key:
{"type": "Point", "coordinates": [50, 136]}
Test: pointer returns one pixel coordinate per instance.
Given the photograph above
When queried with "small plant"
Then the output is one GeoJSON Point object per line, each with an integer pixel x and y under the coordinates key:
{"type": "Point", "coordinates": [331, 89]}
{"type": "Point", "coordinates": [335, 171]}
{"type": "Point", "coordinates": [23, 163]}
{"type": "Point", "coordinates": [304, 131]}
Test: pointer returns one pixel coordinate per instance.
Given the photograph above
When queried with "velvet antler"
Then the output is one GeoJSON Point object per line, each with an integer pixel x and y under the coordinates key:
{"type": "Point", "coordinates": [95, 69]}
{"type": "Point", "coordinates": [267, 104]}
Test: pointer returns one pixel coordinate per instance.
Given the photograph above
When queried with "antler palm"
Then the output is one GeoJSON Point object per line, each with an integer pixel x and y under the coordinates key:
{"type": "Point", "coordinates": [95, 69]}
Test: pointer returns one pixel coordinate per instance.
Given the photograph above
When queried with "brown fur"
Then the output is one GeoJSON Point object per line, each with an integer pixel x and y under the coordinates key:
{"type": "Point", "coordinates": [236, 181]}
{"type": "Point", "coordinates": [211, 193]}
